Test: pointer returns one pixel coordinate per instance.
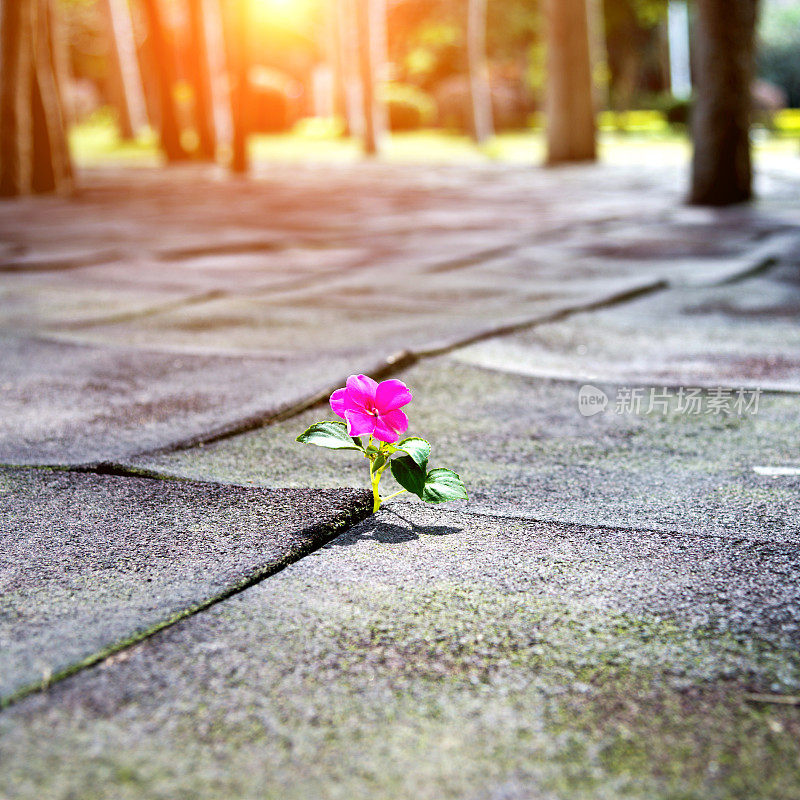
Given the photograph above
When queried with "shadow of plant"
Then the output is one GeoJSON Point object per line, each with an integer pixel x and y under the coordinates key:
{"type": "Point", "coordinates": [392, 533]}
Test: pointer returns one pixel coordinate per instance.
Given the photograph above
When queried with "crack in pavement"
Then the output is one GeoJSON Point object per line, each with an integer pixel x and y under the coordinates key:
{"type": "Point", "coordinates": [388, 367]}
{"type": "Point", "coordinates": [605, 526]}
{"type": "Point", "coordinates": [305, 539]}
{"type": "Point", "coordinates": [337, 528]}
{"type": "Point", "coordinates": [394, 364]}
{"type": "Point", "coordinates": [400, 361]}
{"type": "Point", "coordinates": [380, 371]}
{"type": "Point", "coordinates": [288, 285]}
{"type": "Point", "coordinates": [62, 265]}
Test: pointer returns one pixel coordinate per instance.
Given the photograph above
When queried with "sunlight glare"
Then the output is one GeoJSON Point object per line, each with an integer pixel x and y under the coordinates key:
{"type": "Point", "coordinates": [287, 12]}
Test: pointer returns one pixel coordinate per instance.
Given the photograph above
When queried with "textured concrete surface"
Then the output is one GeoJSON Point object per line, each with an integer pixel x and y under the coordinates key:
{"type": "Point", "coordinates": [524, 449]}
{"type": "Point", "coordinates": [613, 613]}
{"type": "Point", "coordinates": [70, 404]}
{"type": "Point", "coordinates": [412, 258]}
{"type": "Point", "coordinates": [88, 562]}
{"type": "Point", "coordinates": [447, 656]}
{"type": "Point", "coordinates": [742, 334]}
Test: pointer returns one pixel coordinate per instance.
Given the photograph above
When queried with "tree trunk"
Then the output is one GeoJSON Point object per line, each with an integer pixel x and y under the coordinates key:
{"type": "Point", "coordinates": [366, 24]}
{"type": "Point", "coordinates": [200, 72]}
{"type": "Point", "coordinates": [349, 60]}
{"type": "Point", "coordinates": [34, 156]}
{"type": "Point", "coordinates": [217, 65]}
{"type": "Point", "coordinates": [164, 67]}
{"type": "Point", "coordinates": [63, 67]}
{"type": "Point", "coordinates": [629, 65]}
{"type": "Point", "coordinates": [725, 49]}
{"type": "Point", "coordinates": [598, 53]}
{"type": "Point", "coordinates": [126, 78]}
{"type": "Point", "coordinates": [237, 48]}
{"type": "Point", "coordinates": [52, 168]}
{"type": "Point", "coordinates": [16, 85]}
{"type": "Point", "coordinates": [570, 101]}
{"type": "Point", "coordinates": [480, 93]}
{"type": "Point", "coordinates": [336, 59]}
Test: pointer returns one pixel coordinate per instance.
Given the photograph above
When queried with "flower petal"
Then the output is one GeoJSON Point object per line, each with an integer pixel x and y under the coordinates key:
{"type": "Point", "coordinates": [361, 390]}
{"type": "Point", "coordinates": [390, 395]}
{"type": "Point", "coordinates": [339, 402]}
{"type": "Point", "coordinates": [359, 423]}
{"type": "Point", "coordinates": [390, 425]}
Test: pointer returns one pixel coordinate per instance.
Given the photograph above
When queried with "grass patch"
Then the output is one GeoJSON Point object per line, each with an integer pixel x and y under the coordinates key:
{"type": "Point", "coordinates": [632, 136]}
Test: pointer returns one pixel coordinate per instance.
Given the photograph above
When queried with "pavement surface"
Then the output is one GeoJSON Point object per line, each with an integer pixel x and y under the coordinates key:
{"type": "Point", "coordinates": [93, 561]}
{"type": "Point", "coordinates": [192, 604]}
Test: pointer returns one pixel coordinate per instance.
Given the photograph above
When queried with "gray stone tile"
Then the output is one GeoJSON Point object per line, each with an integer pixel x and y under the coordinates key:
{"type": "Point", "coordinates": [742, 334]}
{"type": "Point", "coordinates": [445, 655]}
{"type": "Point", "coordinates": [89, 562]}
{"type": "Point", "coordinates": [405, 258]}
{"type": "Point", "coordinates": [524, 449]}
{"type": "Point", "coordinates": [614, 589]}
{"type": "Point", "coordinates": [73, 404]}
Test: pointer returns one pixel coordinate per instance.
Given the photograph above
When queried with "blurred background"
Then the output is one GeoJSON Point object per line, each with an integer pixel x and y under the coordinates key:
{"type": "Point", "coordinates": [231, 81]}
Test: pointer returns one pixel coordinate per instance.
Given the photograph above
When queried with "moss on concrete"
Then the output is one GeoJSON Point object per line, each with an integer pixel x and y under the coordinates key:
{"type": "Point", "coordinates": [430, 655]}
{"type": "Point", "coordinates": [523, 449]}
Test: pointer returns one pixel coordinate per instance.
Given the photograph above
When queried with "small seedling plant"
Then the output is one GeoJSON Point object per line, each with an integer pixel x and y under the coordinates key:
{"type": "Point", "coordinates": [374, 410]}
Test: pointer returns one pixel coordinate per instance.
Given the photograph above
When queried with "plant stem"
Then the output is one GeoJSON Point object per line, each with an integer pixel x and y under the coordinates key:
{"type": "Point", "coordinates": [376, 498]}
{"type": "Point", "coordinates": [375, 475]}
{"type": "Point", "coordinates": [393, 495]}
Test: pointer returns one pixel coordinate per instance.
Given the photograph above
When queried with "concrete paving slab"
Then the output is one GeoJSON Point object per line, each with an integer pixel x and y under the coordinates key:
{"type": "Point", "coordinates": [29, 306]}
{"type": "Point", "coordinates": [406, 216]}
{"type": "Point", "coordinates": [631, 583]}
{"type": "Point", "coordinates": [742, 334]}
{"type": "Point", "coordinates": [524, 449]}
{"type": "Point", "coordinates": [91, 562]}
{"type": "Point", "coordinates": [72, 404]}
{"type": "Point", "coordinates": [138, 286]}
{"type": "Point", "coordinates": [448, 656]}
{"type": "Point", "coordinates": [173, 217]}
{"type": "Point", "coordinates": [406, 258]}
{"type": "Point", "coordinates": [408, 280]}
{"type": "Point", "coordinates": [378, 320]}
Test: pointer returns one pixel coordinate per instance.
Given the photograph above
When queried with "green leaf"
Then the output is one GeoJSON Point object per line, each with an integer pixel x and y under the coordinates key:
{"type": "Point", "coordinates": [442, 485]}
{"type": "Point", "coordinates": [409, 475]}
{"type": "Point", "coordinates": [417, 448]}
{"type": "Point", "coordinates": [437, 486]}
{"type": "Point", "coordinates": [332, 435]}
{"type": "Point", "coordinates": [379, 461]}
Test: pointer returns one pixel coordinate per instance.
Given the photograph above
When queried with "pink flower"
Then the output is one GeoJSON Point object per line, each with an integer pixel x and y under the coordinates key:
{"type": "Point", "coordinates": [372, 408]}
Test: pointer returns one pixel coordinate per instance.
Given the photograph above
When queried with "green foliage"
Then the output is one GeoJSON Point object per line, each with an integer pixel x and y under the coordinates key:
{"type": "Point", "coordinates": [637, 120]}
{"type": "Point", "coordinates": [511, 27]}
{"type": "Point", "coordinates": [409, 107]}
{"type": "Point", "coordinates": [443, 485]}
{"type": "Point", "coordinates": [645, 14]}
{"type": "Point", "coordinates": [650, 13]}
{"type": "Point", "coordinates": [779, 50]}
{"type": "Point", "coordinates": [332, 435]}
{"type": "Point", "coordinates": [434, 51]}
{"type": "Point", "coordinates": [435, 486]}
{"type": "Point", "coordinates": [432, 47]}
{"type": "Point", "coordinates": [418, 449]}
{"type": "Point", "coordinates": [787, 122]}
{"type": "Point", "coordinates": [409, 475]}
{"type": "Point", "coordinates": [410, 469]}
